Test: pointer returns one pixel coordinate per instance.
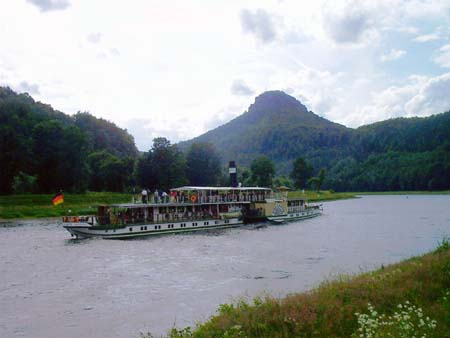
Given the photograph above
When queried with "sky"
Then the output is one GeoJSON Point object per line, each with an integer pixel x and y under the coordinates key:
{"type": "Point", "coordinates": [180, 68]}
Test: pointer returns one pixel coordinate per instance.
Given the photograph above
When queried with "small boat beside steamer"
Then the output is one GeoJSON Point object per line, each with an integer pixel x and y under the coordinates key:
{"type": "Point", "coordinates": [191, 208]}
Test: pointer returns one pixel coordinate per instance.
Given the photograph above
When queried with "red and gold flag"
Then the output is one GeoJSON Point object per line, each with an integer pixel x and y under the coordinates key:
{"type": "Point", "coordinates": [58, 199]}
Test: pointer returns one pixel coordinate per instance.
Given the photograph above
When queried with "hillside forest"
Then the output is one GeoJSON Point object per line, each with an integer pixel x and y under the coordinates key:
{"type": "Point", "coordinates": [43, 151]}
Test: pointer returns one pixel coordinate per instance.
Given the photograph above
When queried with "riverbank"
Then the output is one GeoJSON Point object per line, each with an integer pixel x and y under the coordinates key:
{"type": "Point", "coordinates": [410, 298]}
{"type": "Point", "coordinates": [28, 206]}
{"type": "Point", "coordinates": [322, 195]}
{"type": "Point", "coordinates": [443, 192]}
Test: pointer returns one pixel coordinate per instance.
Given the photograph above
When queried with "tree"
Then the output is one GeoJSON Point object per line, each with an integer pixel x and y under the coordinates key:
{"type": "Point", "coordinates": [59, 157]}
{"type": "Point", "coordinates": [202, 164]}
{"type": "Point", "coordinates": [321, 176]}
{"type": "Point", "coordinates": [109, 172]}
{"type": "Point", "coordinates": [162, 167]}
{"type": "Point", "coordinates": [282, 181]}
{"type": "Point", "coordinates": [263, 171]}
{"type": "Point", "coordinates": [301, 172]}
{"type": "Point", "coordinates": [316, 182]}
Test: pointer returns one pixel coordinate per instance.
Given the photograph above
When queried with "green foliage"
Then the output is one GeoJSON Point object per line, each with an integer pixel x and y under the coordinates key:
{"type": "Point", "coordinates": [262, 171]}
{"type": "Point", "coordinates": [397, 154]}
{"type": "Point", "coordinates": [51, 146]}
{"type": "Point", "coordinates": [163, 167]}
{"type": "Point", "coordinates": [109, 172]}
{"type": "Point", "coordinates": [301, 172]}
{"type": "Point", "coordinates": [282, 181]}
{"type": "Point", "coordinates": [24, 183]}
{"type": "Point", "coordinates": [105, 135]}
{"type": "Point", "coordinates": [202, 165]}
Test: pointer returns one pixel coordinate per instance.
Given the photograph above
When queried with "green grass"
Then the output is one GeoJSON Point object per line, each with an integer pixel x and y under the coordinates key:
{"type": "Point", "coordinates": [36, 206]}
{"type": "Point", "coordinates": [320, 196]}
{"type": "Point", "coordinates": [331, 309]}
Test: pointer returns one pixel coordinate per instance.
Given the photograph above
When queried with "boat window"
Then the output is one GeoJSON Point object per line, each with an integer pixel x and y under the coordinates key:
{"type": "Point", "coordinates": [131, 229]}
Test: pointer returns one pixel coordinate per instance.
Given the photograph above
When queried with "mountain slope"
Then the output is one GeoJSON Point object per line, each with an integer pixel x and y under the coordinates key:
{"type": "Point", "coordinates": [399, 154]}
{"type": "Point", "coordinates": [279, 126]}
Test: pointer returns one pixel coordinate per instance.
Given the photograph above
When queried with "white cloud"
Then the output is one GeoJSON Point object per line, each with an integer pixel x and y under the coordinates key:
{"type": "Point", "coordinates": [25, 87]}
{"type": "Point", "coordinates": [94, 37]}
{"type": "Point", "coordinates": [258, 23]}
{"type": "Point", "coordinates": [432, 97]}
{"type": "Point", "coordinates": [394, 54]}
{"type": "Point", "coordinates": [180, 68]}
{"type": "Point", "coordinates": [348, 23]}
{"type": "Point", "coordinates": [427, 37]}
{"type": "Point", "coordinates": [50, 5]}
{"type": "Point", "coordinates": [443, 58]}
{"type": "Point", "coordinates": [239, 87]}
{"type": "Point", "coordinates": [420, 96]}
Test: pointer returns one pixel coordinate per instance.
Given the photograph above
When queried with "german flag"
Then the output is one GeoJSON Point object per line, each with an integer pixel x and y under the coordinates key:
{"type": "Point", "coordinates": [58, 199]}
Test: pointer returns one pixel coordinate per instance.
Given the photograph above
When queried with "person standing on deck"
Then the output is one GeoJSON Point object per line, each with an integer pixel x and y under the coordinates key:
{"type": "Point", "coordinates": [144, 195]}
{"type": "Point", "coordinates": [156, 195]}
{"type": "Point", "coordinates": [165, 197]}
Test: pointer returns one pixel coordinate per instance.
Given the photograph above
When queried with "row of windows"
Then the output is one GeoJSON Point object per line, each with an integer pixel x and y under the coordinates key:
{"type": "Point", "coordinates": [171, 226]}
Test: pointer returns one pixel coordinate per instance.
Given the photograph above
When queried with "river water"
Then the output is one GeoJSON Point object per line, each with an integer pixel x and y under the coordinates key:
{"type": "Point", "coordinates": [52, 286]}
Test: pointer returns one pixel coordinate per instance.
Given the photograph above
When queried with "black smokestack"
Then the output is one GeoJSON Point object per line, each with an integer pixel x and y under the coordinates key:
{"type": "Point", "coordinates": [233, 174]}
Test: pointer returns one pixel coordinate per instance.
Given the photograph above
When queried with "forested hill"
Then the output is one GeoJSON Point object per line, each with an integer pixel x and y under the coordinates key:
{"type": "Point", "coordinates": [397, 154]}
{"type": "Point", "coordinates": [280, 127]}
{"type": "Point", "coordinates": [45, 148]}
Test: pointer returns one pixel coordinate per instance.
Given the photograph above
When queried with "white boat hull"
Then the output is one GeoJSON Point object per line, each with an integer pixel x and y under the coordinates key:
{"type": "Point", "coordinates": [84, 230]}
{"type": "Point", "coordinates": [295, 215]}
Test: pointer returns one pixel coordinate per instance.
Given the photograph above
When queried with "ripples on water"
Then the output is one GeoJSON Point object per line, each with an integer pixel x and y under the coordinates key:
{"type": "Point", "coordinates": [53, 286]}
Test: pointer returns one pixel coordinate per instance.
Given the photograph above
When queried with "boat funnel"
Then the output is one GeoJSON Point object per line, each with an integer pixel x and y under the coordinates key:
{"type": "Point", "coordinates": [233, 174]}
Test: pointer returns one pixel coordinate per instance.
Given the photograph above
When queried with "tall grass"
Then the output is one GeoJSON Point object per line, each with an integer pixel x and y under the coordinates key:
{"type": "Point", "coordinates": [35, 206]}
{"type": "Point", "coordinates": [339, 308]}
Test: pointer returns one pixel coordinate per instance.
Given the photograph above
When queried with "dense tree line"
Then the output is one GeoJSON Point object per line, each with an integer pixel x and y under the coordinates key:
{"type": "Point", "coordinates": [277, 142]}
{"type": "Point", "coordinates": [43, 150]}
{"type": "Point", "coordinates": [396, 154]}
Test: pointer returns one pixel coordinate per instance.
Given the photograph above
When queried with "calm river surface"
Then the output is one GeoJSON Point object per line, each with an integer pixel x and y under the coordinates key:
{"type": "Point", "coordinates": [51, 286]}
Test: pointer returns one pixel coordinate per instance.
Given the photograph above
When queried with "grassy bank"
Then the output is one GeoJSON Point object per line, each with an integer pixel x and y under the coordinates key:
{"type": "Point", "coordinates": [411, 298]}
{"type": "Point", "coordinates": [320, 196]}
{"type": "Point", "coordinates": [35, 206]}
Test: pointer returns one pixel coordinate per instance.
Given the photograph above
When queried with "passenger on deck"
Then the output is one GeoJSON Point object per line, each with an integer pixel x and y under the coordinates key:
{"type": "Point", "coordinates": [165, 197]}
{"type": "Point", "coordinates": [144, 195]}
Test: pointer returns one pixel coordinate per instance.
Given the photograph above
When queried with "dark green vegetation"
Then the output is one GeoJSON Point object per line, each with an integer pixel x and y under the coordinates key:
{"type": "Point", "coordinates": [397, 154]}
{"type": "Point", "coordinates": [34, 205]}
{"type": "Point", "coordinates": [43, 150]}
{"type": "Point", "coordinates": [331, 309]}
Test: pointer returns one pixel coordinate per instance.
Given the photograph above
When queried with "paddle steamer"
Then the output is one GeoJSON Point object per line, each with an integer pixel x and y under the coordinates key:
{"type": "Point", "coordinates": [192, 208]}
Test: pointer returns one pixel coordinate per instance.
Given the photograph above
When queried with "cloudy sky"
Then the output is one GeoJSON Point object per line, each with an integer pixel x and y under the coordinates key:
{"type": "Point", "coordinates": [179, 68]}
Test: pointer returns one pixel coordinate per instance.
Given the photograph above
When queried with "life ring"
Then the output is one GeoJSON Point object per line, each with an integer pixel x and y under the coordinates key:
{"type": "Point", "coordinates": [193, 198]}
